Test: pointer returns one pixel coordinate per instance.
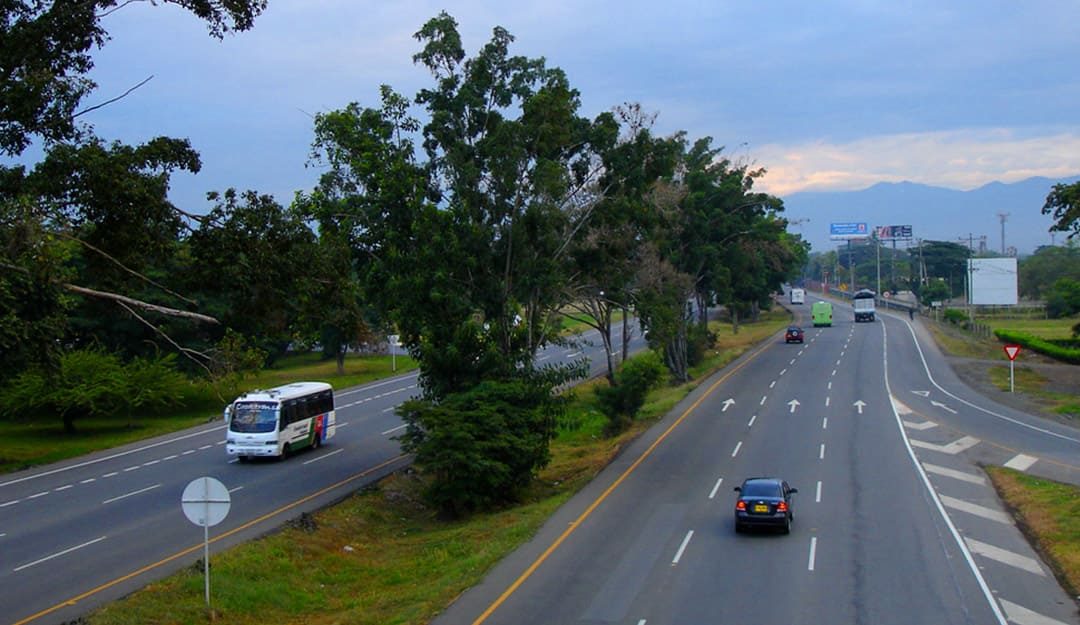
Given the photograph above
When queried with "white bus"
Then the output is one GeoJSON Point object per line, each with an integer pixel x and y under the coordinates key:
{"type": "Point", "coordinates": [279, 421]}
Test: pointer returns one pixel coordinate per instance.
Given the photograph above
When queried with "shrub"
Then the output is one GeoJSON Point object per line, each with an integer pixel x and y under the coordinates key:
{"type": "Point", "coordinates": [481, 447]}
{"type": "Point", "coordinates": [1043, 346]}
{"type": "Point", "coordinates": [699, 340]}
{"type": "Point", "coordinates": [956, 316]}
{"type": "Point", "coordinates": [620, 403]}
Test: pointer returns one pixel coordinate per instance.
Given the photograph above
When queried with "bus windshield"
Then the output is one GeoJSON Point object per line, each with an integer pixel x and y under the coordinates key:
{"type": "Point", "coordinates": [254, 416]}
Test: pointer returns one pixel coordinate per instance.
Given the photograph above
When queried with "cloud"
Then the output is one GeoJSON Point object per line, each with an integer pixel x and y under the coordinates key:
{"type": "Point", "coordinates": [958, 159]}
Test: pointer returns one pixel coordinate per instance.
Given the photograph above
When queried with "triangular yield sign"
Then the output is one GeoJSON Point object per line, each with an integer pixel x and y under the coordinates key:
{"type": "Point", "coordinates": [1011, 351]}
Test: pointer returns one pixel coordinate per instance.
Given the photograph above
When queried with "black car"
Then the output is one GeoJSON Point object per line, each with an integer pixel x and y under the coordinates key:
{"type": "Point", "coordinates": [764, 502]}
{"type": "Point", "coordinates": [793, 334]}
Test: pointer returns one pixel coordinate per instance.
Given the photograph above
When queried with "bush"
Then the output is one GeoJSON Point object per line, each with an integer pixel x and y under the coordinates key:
{"type": "Point", "coordinates": [1043, 346]}
{"type": "Point", "coordinates": [620, 403]}
{"type": "Point", "coordinates": [956, 316]}
{"type": "Point", "coordinates": [481, 447]}
{"type": "Point", "coordinates": [698, 343]}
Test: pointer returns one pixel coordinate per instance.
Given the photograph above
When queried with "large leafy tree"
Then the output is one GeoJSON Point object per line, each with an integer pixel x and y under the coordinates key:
{"type": "Point", "coordinates": [1063, 204]}
{"type": "Point", "coordinates": [1041, 270]}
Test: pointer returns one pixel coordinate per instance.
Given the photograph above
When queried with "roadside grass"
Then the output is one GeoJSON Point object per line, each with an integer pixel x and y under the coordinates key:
{"type": "Point", "coordinates": [39, 440]}
{"type": "Point", "coordinates": [957, 342]}
{"type": "Point", "coordinates": [381, 556]}
{"type": "Point", "coordinates": [1048, 513]}
{"type": "Point", "coordinates": [574, 322]}
{"type": "Point", "coordinates": [1033, 384]}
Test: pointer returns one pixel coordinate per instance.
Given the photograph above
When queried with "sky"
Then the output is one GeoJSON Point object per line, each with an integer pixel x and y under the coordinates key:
{"type": "Point", "coordinates": [826, 96]}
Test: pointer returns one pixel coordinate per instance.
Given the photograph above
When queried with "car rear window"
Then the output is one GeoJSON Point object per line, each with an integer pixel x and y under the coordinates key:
{"type": "Point", "coordinates": [761, 489]}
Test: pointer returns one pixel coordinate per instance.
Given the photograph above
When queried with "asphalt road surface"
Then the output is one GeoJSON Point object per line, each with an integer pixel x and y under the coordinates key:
{"type": "Point", "coordinates": [894, 520]}
{"type": "Point", "coordinates": [80, 533]}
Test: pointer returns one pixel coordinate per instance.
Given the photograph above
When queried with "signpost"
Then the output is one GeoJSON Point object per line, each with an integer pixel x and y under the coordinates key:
{"type": "Point", "coordinates": [395, 341]}
{"type": "Point", "coordinates": [206, 502]}
{"type": "Point", "coordinates": [1011, 351]}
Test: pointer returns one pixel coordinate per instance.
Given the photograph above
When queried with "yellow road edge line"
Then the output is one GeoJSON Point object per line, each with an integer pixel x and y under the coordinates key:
{"type": "Point", "coordinates": [610, 489]}
{"type": "Point", "coordinates": [184, 552]}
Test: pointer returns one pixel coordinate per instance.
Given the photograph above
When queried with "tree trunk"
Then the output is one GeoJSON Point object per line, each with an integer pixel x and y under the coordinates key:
{"type": "Point", "coordinates": [605, 336]}
{"type": "Point", "coordinates": [734, 320]}
{"type": "Point", "coordinates": [625, 333]}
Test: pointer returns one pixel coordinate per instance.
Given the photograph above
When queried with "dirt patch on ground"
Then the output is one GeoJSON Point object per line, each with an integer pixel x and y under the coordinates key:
{"type": "Point", "coordinates": [1061, 378]}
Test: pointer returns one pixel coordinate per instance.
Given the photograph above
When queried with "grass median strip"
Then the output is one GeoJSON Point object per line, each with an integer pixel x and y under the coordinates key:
{"type": "Point", "coordinates": [382, 556]}
{"type": "Point", "coordinates": [1048, 513]}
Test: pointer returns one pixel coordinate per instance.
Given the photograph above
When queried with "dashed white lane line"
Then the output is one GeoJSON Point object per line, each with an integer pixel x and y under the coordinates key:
{"type": "Point", "coordinates": [826, 401]}
{"type": "Point", "coordinates": [953, 473]}
{"type": "Point", "coordinates": [716, 488]}
{"type": "Point", "coordinates": [837, 363]}
{"type": "Point", "coordinates": [829, 386]}
{"type": "Point", "coordinates": [738, 446]}
{"type": "Point", "coordinates": [1031, 565]}
{"type": "Point", "coordinates": [783, 371]}
{"type": "Point", "coordinates": [172, 457]}
{"type": "Point", "coordinates": [817, 497]}
{"type": "Point", "coordinates": [392, 430]}
{"type": "Point", "coordinates": [977, 510]}
{"type": "Point", "coordinates": [57, 554]}
{"type": "Point", "coordinates": [750, 423]}
{"type": "Point", "coordinates": [325, 456]}
{"type": "Point", "coordinates": [9, 503]}
{"type": "Point", "coordinates": [682, 547]}
{"type": "Point", "coordinates": [1020, 462]}
{"type": "Point", "coordinates": [88, 480]}
{"type": "Point", "coordinates": [150, 463]}
{"type": "Point", "coordinates": [135, 468]}
{"type": "Point", "coordinates": [64, 487]}
{"type": "Point", "coordinates": [813, 554]}
{"type": "Point", "coordinates": [952, 448]}
{"type": "Point", "coordinates": [763, 398]}
{"type": "Point", "coordinates": [834, 372]}
{"type": "Point", "coordinates": [824, 423]}
{"type": "Point", "coordinates": [111, 474]}
{"type": "Point", "coordinates": [188, 452]}
{"type": "Point", "coordinates": [772, 384]}
{"type": "Point", "coordinates": [131, 494]}
{"type": "Point", "coordinates": [205, 447]}
{"type": "Point", "coordinates": [1022, 616]}
{"type": "Point", "coordinates": [821, 454]}
{"type": "Point", "coordinates": [792, 361]}
{"type": "Point", "coordinates": [36, 495]}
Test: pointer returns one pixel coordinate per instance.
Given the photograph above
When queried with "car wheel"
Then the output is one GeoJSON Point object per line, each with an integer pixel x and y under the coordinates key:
{"type": "Point", "coordinates": [787, 526]}
{"type": "Point", "coordinates": [315, 443]}
{"type": "Point", "coordinates": [286, 451]}
{"type": "Point", "coordinates": [738, 528]}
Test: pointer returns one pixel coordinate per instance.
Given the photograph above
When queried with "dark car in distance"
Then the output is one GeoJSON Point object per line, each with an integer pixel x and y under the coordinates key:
{"type": "Point", "coordinates": [764, 502]}
{"type": "Point", "coordinates": [794, 334]}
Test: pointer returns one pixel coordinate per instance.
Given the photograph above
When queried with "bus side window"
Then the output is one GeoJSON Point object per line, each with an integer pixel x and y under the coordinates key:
{"type": "Point", "coordinates": [324, 402]}
{"type": "Point", "coordinates": [288, 413]}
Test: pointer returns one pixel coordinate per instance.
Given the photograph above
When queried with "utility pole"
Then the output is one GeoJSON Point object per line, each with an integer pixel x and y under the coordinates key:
{"type": "Point", "coordinates": [1003, 217]}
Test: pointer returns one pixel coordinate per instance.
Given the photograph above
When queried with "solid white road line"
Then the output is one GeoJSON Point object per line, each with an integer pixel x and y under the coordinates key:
{"type": "Point", "coordinates": [1031, 565]}
{"type": "Point", "coordinates": [1022, 616]}
{"type": "Point", "coordinates": [813, 554]}
{"type": "Point", "coordinates": [1021, 462]}
{"type": "Point", "coordinates": [716, 488]}
{"type": "Point", "coordinates": [131, 494]}
{"type": "Point", "coordinates": [953, 473]}
{"type": "Point", "coordinates": [682, 547]}
{"type": "Point", "coordinates": [977, 510]}
{"type": "Point", "coordinates": [324, 457]}
{"type": "Point", "coordinates": [58, 554]}
{"type": "Point", "coordinates": [952, 448]}
{"type": "Point", "coordinates": [737, 447]}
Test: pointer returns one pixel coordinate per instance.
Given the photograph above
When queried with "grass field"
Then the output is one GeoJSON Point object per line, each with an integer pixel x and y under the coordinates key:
{"type": "Point", "coordinates": [381, 556]}
{"type": "Point", "coordinates": [1043, 328]}
{"type": "Point", "coordinates": [37, 441]}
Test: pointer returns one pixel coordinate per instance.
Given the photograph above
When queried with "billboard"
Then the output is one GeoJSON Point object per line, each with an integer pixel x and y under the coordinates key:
{"type": "Point", "coordinates": [993, 281]}
{"type": "Point", "coordinates": [886, 233]}
{"type": "Point", "coordinates": [848, 230]}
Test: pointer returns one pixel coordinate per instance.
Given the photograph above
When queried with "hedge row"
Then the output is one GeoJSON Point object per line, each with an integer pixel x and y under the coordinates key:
{"type": "Point", "coordinates": [1043, 346]}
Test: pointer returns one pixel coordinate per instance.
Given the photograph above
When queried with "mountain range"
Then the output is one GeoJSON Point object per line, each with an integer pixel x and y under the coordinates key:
{"type": "Point", "coordinates": [934, 213]}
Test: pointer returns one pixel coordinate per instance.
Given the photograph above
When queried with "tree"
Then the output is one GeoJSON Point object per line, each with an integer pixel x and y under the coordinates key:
{"type": "Point", "coordinates": [251, 262]}
{"type": "Point", "coordinates": [1041, 270]}
{"type": "Point", "coordinates": [1063, 204]}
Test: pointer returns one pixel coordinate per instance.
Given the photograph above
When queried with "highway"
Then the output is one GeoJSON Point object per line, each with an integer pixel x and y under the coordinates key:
{"type": "Point", "coordinates": [894, 520]}
{"type": "Point", "coordinates": [88, 531]}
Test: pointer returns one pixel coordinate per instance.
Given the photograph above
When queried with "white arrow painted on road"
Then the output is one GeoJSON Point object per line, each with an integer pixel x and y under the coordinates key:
{"type": "Point", "coordinates": [794, 404]}
{"type": "Point", "coordinates": [923, 393]}
{"type": "Point", "coordinates": [860, 404]}
{"type": "Point", "coordinates": [728, 403]}
{"type": "Point", "coordinates": [942, 406]}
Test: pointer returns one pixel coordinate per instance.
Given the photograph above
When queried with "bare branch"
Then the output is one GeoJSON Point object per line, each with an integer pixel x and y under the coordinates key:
{"type": "Point", "coordinates": [119, 97]}
{"type": "Point", "coordinates": [128, 270]}
{"type": "Point", "coordinates": [183, 350]}
{"type": "Point", "coordinates": [164, 310]}
{"type": "Point", "coordinates": [117, 8]}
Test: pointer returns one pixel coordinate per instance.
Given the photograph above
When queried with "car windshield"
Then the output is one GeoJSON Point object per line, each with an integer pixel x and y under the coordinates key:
{"type": "Point", "coordinates": [254, 417]}
{"type": "Point", "coordinates": [761, 489]}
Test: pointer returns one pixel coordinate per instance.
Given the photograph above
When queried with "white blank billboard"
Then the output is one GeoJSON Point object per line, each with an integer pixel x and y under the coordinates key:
{"type": "Point", "coordinates": [993, 281]}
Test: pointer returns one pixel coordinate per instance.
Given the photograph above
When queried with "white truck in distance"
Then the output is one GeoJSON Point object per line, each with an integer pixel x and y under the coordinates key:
{"type": "Point", "coordinates": [863, 302]}
{"type": "Point", "coordinates": [798, 296]}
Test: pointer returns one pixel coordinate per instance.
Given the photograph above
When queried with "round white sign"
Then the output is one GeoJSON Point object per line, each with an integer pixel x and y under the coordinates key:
{"type": "Point", "coordinates": [205, 501]}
